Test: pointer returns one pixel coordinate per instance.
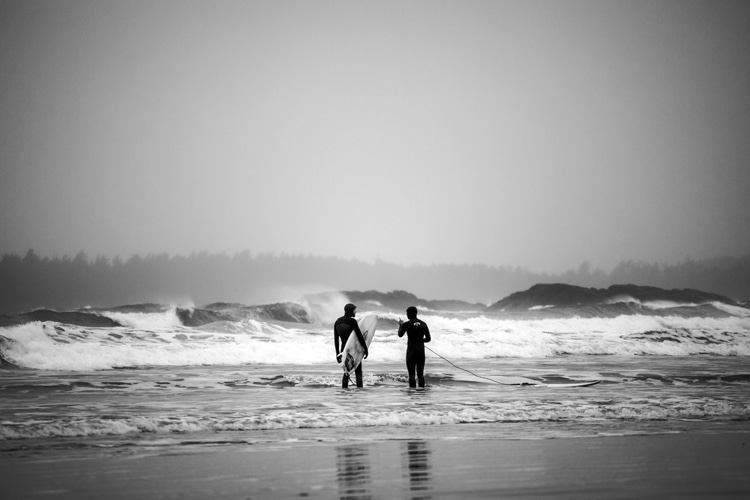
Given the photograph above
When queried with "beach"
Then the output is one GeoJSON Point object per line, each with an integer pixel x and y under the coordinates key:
{"type": "Point", "coordinates": [678, 465]}
{"type": "Point", "coordinates": [152, 407]}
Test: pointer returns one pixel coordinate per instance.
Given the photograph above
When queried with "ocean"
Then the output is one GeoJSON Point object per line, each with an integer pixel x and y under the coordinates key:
{"type": "Point", "coordinates": [138, 380]}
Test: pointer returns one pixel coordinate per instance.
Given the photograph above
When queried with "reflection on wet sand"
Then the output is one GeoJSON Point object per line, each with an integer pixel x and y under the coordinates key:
{"type": "Point", "coordinates": [357, 480]}
{"type": "Point", "coordinates": [417, 454]}
{"type": "Point", "coordinates": [353, 475]}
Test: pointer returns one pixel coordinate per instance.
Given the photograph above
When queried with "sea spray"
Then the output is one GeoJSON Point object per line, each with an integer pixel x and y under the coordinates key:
{"type": "Point", "coordinates": [159, 339]}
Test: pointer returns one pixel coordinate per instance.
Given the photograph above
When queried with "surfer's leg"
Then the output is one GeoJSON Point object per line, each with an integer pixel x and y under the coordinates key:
{"type": "Point", "coordinates": [420, 369]}
{"type": "Point", "coordinates": [411, 367]}
{"type": "Point", "coordinates": [345, 382]}
{"type": "Point", "coordinates": [358, 373]}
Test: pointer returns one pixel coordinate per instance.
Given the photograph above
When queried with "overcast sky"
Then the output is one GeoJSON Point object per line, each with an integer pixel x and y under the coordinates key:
{"type": "Point", "coordinates": [524, 133]}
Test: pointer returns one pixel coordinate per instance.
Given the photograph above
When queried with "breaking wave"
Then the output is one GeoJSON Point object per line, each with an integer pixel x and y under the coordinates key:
{"type": "Point", "coordinates": [162, 339]}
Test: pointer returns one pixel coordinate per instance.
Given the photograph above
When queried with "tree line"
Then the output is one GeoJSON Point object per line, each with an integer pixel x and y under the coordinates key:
{"type": "Point", "coordinates": [30, 281]}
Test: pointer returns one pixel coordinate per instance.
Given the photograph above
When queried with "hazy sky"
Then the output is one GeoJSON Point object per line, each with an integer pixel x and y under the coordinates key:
{"type": "Point", "coordinates": [524, 133]}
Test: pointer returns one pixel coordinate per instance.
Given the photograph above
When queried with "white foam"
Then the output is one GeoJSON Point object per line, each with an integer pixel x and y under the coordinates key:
{"type": "Point", "coordinates": [623, 299]}
{"type": "Point", "coordinates": [325, 308]}
{"type": "Point", "coordinates": [667, 304]}
{"type": "Point", "coordinates": [63, 347]}
{"type": "Point", "coordinates": [146, 321]}
{"type": "Point", "coordinates": [339, 417]}
{"type": "Point", "coordinates": [51, 346]}
{"type": "Point", "coordinates": [742, 312]}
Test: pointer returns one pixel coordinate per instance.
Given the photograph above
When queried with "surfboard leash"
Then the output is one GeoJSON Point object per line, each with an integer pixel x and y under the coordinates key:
{"type": "Point", "coordinates": [580, 384]}
{"type": "Point", "coordinates": [461, 368]}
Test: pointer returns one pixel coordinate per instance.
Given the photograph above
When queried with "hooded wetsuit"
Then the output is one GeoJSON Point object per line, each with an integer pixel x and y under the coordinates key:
{"type": "Point", "coordinates": [418, 335]}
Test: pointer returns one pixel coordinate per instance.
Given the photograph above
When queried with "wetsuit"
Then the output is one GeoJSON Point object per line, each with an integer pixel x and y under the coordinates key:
{"type": "Point", "coordinates": [418, 335]}
{"type": "Point", "coordinates": [342, 328]}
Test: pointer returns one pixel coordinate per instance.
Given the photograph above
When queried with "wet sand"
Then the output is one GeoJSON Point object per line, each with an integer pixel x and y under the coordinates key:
{"type": "Point", "coordinates": [657, 466]}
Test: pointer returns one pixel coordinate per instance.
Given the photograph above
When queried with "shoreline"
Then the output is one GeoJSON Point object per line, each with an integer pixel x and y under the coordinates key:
{"type": "Point", "coordinates": [711, 465]}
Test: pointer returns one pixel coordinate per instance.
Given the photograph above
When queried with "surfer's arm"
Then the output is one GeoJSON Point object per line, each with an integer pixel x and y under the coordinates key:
{"type": "Point", "coordinates": [401, 328]}
{"type": "Point", "coordinates": [336, 342]}
{"type": "Point", "coordinates": [427, 337]}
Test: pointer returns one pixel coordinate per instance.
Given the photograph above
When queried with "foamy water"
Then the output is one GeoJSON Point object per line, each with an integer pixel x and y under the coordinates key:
{"type": "Point", "coordinates": [159, 339]}
{"type": "Point", "coordinates": [253, 399]}
{"type": "Point", "coordinates": [155, 382]}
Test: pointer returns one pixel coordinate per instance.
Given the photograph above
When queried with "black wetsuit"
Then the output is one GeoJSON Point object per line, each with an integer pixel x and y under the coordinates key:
{"type": "Point", "coordinates": [342, 328]}
{"type": "Point", "coordinates": [418, 334]}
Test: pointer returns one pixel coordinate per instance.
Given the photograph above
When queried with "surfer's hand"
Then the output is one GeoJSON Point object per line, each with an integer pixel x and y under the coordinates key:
{"type": "Point", "coordinates": [338, 358]}
{"type": "Point", "coordinates": [366, 353]}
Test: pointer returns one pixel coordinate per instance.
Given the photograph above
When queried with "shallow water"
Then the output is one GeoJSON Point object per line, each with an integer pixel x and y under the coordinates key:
{"type": "Point", "coordinates": [254, 409]}
{"type": "Point", "coordinates": [152, 384]}
{"type": "Point", "coordinates": [138, 411]}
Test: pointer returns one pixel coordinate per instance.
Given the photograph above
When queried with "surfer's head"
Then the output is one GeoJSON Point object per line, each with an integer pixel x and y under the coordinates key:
{"type": "Point", "coordinates": [350, 309]}
{"type": "Point", "coordinates": [411, 312]}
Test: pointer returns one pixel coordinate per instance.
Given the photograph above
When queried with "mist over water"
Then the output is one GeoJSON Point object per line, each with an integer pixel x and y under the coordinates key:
{"type": "Point", "coordinates": [537, 133]}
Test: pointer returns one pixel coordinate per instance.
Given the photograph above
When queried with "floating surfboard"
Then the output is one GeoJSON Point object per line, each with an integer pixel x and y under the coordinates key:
{"type": "Point", "coordinates": [353, 351]}
{"type": "Point", "coordinates": [569, 384]}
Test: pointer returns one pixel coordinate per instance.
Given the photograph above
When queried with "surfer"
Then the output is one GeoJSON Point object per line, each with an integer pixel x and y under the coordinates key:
{"type": "Point", "coordinates": [342, 328]}
{"type": "Point", "coordinates": [418, 334]}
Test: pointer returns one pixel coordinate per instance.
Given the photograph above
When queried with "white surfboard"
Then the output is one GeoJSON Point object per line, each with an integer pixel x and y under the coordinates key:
{"type": "Point", "coordinates": [569, 384]}
{"type": "Point", "coordinates": [532, 383]}
{"type": "Point", "coordinates": [353, 351]}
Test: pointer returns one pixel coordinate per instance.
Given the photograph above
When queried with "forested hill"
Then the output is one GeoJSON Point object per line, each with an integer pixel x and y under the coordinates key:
{"type": "Point", "coordinates": [562, 295]}
{"type": "Point", "coordinates": [552, 300]}
{"type": "Point", "coordinates": [31, 281]}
